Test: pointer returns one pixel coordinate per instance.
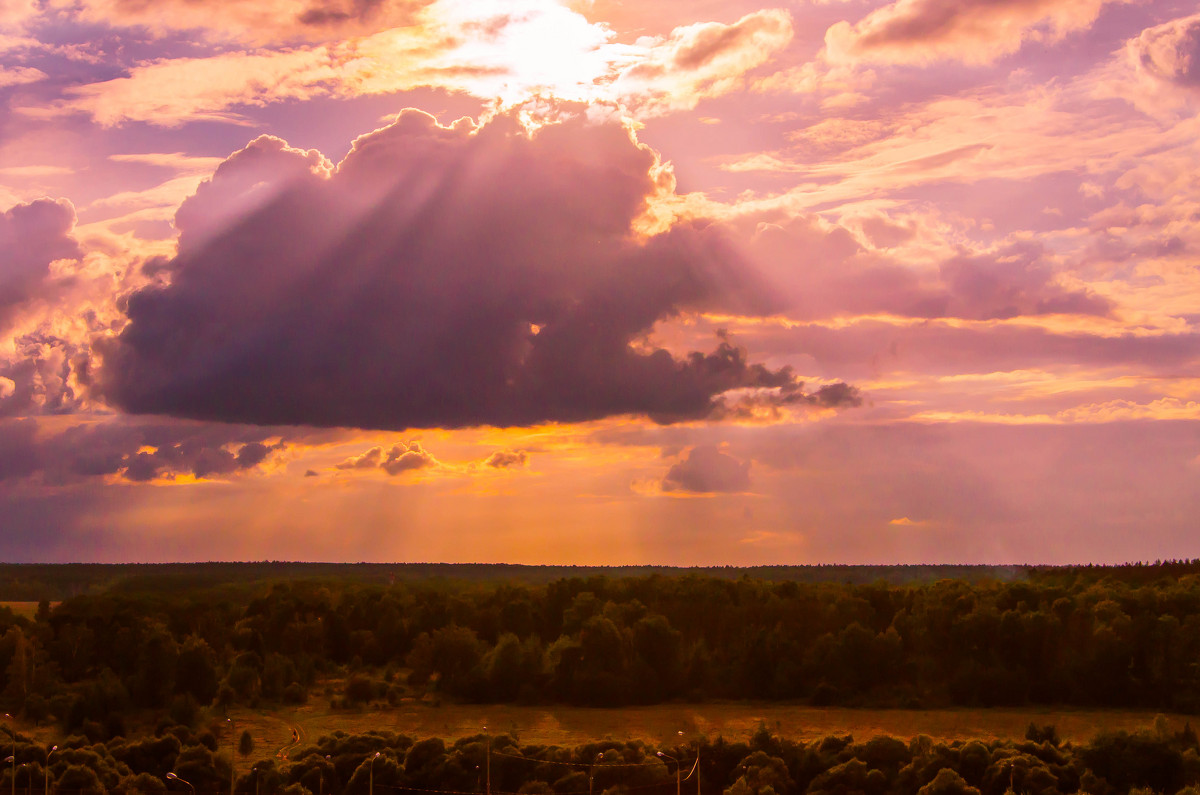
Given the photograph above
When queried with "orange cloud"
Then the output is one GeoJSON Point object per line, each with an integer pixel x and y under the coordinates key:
{"type": "Point", "coordinates": [544, 53]}
{"type": "Point", "coordinates": [971, 31]}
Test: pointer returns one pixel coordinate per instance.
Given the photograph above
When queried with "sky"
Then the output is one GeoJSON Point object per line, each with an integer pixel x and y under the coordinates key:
{"type": "Point", "coordinates": [600, 282]}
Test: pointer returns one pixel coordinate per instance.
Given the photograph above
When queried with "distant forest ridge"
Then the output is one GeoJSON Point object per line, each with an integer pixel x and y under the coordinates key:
{"type": "Point", "coordinates": [32, 582]}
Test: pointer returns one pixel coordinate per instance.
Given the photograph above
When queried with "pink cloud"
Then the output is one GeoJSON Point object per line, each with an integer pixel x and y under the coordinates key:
{"type": "Point", "coordinates": [448, 276]}
{"type": "Point", "coordinates": [32, 236]}
{"type": "Point", "coordinates": [972, 31]}
{"type": "Point", "coordinates": [1171, 52]}
{"type": "Point", "coordinates": [705, 469]}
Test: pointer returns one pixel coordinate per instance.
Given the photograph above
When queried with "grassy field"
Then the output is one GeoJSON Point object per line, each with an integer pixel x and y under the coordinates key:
{"type": "Point", "coordinates": [272, 731]}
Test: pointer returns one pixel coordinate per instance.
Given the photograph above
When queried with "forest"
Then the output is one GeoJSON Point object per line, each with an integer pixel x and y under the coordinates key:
{"type": "Point", "coordinates": [157, 655]}
{"type": "Point", "coordinates": [1154, 760]}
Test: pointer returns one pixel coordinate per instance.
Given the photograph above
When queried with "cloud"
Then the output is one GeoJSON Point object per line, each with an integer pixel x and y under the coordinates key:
{"type": "Point", "coordinates": [701, 60]}
{"type": "Point", "coordinates": [32, 237]}
{"type": "Point", "coordinates": [45, 376]}
{"type": "Point", "coordinates": [1015, 280]}
{"type": "Point", "coordinates": [134, 450]}
{"type": "Point", "coordinates": [507, 459]}
{"type": "Point", "coordinates": [534, 50]}
{"type": "Point", "coordinates": [707, 470]}
{"type": "Point", "coordinates": [402, 457]}
{"type": "Point", "coordinates": [1171, 52]}
{"type": "Point", "coordinates": [19, 75]}
{"type": "Point", "coordinates": [820, 269]}
{"type": "Point", "coordinates": [258, 21]}
{"type": "Point", "coordinates": [971, 31]}
{"type": "Point", "coordinates": [440, 276]}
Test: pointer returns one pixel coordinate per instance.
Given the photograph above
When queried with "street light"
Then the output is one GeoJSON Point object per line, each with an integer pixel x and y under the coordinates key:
{"type": "Point", "coordinates": [372, 772]}
{"type": "Point", "coordinates": [321, 777]}
{"type": "Point", "coordinates": [12, 758]}
{"type": "Point", "coordinates": [592, 770]}
{"type": "Point", "coordinates": [678, 780]}
{"type": "Point", "coordinates": [488, 763]}
{"type": "Point", "coordinates": [174, 777]}
{"type": "Point", "coordinates": [232, 756]}
{"type": "Point", "coordinates": [52, 750]}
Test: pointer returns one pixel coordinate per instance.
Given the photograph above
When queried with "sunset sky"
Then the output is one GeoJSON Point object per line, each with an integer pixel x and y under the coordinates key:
{"type": "Point", "coordinates": [600, 282]}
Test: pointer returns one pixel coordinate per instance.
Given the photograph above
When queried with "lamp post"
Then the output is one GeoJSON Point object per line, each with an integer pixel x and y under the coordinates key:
{"type": "Point", "coordinates": [12, 758]}
{"type": "Point", "coordinates": [592, 770]}
{"type": "Point", "coordinates": [232, 756]}
{"type": "Point", "coordinates": [52, 750]}
{"type": "Point", "coordinates": [174, 777]}
{"type": "Point", "coordinates": [321, 777]}
{"type": "Point", "coordinates": [488, 760]}
{"type": "Point", "coordinates": [371, 778]}
{"type": "Point", "coordinates": [678, 780]}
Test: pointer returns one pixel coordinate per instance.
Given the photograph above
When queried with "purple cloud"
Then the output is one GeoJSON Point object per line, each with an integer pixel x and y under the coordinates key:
{"type": "Point", "coordinates": [32, 236]}
{"type": "Point", "coordinates": [507, 459]}
{"type": "Point", "coordinates": [136, 450]}
{"type": "Point", "coordinates": [440, 276]}
{"type": "Point", "coordinates": [705, 470]}
{"type": "Point", "coordinates": [1171, 52]}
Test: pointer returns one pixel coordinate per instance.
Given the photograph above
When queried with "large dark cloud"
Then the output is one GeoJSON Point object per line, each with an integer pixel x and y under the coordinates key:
{"type": "Point", "coordinates": [440, 276]}
{"type": "Point", "coordinates": [32, 236]}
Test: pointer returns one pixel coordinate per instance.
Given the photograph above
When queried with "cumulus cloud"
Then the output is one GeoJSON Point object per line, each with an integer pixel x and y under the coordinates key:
{"type": "Point", "coordinates": [402, 457]}
{"type": "Point", "coordinates": [707, 470]}
{"type": "Point", "coordinates": [32, 237]}
{"type": "Point", "coordinates": [972, 31]}
{"type": "Point", "coordinates": [507, 459]}
{"type": "Point", "coordinates": [440, 276]}
{"type": "Point", "coordinates": [1170, 52]}
{"type": "Point", "coordinates": [48, 375]}
{"type": "Point", "coordinates": [134, 450]}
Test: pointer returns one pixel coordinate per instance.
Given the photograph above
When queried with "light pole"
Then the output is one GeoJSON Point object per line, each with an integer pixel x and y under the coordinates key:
{"type": "Point", "coordinates": [52, 750]}
{"type": "Point", "coordinates": [592, 770]}
{"type": "Point", "coordinates": [371, 778]}
{"type": "Point", "coordinates": [12, 758]}
{"type": "Point", "coordinates": [232, 756]}
{"type": "Point", "coordinates": [174, 777]}
{"type": "Point", "coordinates": [488, 762]}
{"type": "Point", "coordinates": [678, 780]}
{"type": "Point", "coordinates": [321, 777]}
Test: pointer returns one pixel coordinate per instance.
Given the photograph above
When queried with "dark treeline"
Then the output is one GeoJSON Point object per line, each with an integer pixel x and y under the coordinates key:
{"type": "Point", "coordinates": [33, 582]}
{"type": "Point", "coordinates": [1150, 761]}
{"type": "Point", "coordinates": [1072, 638]}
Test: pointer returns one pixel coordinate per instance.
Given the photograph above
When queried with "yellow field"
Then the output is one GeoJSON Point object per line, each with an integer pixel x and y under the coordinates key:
{"type": "Point", "coordinates": [272, 731]}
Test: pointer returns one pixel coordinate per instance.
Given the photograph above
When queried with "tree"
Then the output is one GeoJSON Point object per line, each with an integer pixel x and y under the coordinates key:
{"type": "Point", "coordinates": [245, 743]}
{"type": "Point", "coordinates": [947, 782]}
